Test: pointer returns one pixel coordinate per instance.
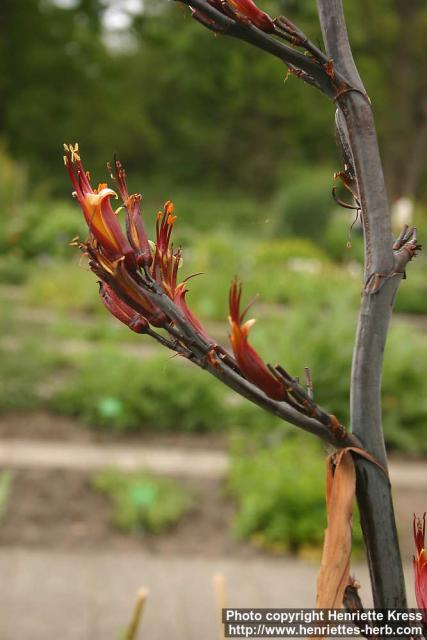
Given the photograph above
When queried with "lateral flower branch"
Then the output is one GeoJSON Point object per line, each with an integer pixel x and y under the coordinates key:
{"type": "Point", "coordinates": [138, 284]}
{"type": "Point", "coordinates": [280, 37]}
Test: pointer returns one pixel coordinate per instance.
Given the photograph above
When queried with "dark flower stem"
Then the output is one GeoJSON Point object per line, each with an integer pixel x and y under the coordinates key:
{"type": "Point", "coordinates": [373, 489]}
{"type": "Point", "coordinates": [205, 355]}
{"type": "Point", "coordinates": [336, 75]}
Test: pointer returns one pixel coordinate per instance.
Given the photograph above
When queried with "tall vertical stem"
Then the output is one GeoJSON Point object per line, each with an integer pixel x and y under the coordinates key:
{"type": "Point", "coordinates": [373, 489]}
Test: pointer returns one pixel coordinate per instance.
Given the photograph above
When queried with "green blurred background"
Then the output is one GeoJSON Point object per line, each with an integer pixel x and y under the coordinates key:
{"type": "Point", "coordinates": [248, 157]}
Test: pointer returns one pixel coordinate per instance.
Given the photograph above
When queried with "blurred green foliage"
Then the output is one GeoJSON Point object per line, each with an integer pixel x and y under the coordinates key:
{"type": "Point", "coordinates": [281, 500]}
{"type": "Point", "coordinates": [175, 101]}
{"type": "Point", "coordinates": [23, 373]}
{"type": "Point", "coordinates": [142, 502]}
{"type": "Point", "coordinates": [304, 205]}
{"type": "Point", "coordinates": [5, 486]}
{"type": "Point", "coordinates": [124, 394]}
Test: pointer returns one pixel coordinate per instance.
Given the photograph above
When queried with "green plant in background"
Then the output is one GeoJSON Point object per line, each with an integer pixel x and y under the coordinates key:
{"type": "Point", "coordinates": [280, 251]}
{"type": "Point", "coordinates": [5, 487]}
{"type": "Point", "coordinates": [340, 241]}
{"type": "Point", "coordinates": [304, 206]}
{"type": "Point", "coordinates": [404, 390]}
{"type": "Point", "coordinates": [412, 296]}
{"type": "Point", "coordinates": [50, 284]}
{"type": "Point", "coordinates": [142, 502]}
{"type": "Point", "coordinates": [280, 494]}
{"type": "Point", "coordinates": [23, 372]}
{"type": "Point", "coordinates": [127, 394]}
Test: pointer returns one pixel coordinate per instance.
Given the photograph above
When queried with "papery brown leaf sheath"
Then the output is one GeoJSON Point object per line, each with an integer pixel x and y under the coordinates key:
{"type": "Point", "coordinates": [335, 565]}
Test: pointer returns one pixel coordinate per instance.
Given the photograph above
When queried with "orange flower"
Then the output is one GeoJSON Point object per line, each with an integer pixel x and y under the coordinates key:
{"type": "Point", "coordinates": [250, 363]}
{"type": "Point", "coordinates": [95, 203]}
{"type": "Point", "coordinates": [420, 565]}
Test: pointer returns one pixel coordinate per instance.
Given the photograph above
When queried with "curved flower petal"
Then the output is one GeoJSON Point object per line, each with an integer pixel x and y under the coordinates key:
{"type": "Point", "coordinates": [179, 300]}
{"type": "Point", "coordinates": [247, 358]}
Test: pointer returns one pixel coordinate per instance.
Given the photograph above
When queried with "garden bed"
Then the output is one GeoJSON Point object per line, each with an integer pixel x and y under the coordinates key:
{"type": "Point", "coordinates": [58, 509]}
{"type": "Point", "coordinates": [41, 425]}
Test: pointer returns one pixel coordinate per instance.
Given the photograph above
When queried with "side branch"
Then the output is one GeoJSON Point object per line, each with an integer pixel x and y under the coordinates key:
{"type": "Point", "coordinates": [217, 362]}
{"type": "Point", "coordinates": [314, 68]}
{"type": "Point", "coordinates": [139, 286]}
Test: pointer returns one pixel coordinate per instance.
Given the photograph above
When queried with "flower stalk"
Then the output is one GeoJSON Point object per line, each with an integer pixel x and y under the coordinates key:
{"type": "Point", "coordinates": [139, 285]}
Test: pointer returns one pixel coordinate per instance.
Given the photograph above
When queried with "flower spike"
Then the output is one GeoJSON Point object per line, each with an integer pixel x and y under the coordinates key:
{"type": "Point", "coordinates": [128, 267]}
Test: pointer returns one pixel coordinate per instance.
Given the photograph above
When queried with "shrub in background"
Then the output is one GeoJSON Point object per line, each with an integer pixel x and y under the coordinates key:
{"type": "Point", "coordinates": [303, 208]}
{"type": "Point", "coordinates": [5, 486]}
{"type": "Point", "coordinates": [50, 284]}
{"type": "Point", "coordinates": [127, 394]}
{"type": "Point", "coordinates": [412, 295]}
{"type": "Point", "coordinates": [142, 502]}
{"type": "Point", "coordinates": [275, 252]}
{"type": "Point", "coordinates": [22, 373]}
{"type": "Point", "coordinates": [280, 494]}
{"type": "Point", "coordinates": [338, 234]}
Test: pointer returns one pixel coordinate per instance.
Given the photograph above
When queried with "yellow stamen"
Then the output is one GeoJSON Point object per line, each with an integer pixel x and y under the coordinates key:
{"type": "Point", "coordinates": [73, 151]}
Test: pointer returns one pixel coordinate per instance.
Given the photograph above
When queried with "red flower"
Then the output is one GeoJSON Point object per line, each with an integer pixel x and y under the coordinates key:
{"type": "Point", "coordinates": [420, 565]}
{"type": "Point", "coordinates": [134, 224]}
{"type": "Point", "coordinates": [247, 358]}
{"type": "Point", "coordinates": [249, 10]}
{"type": "Point", "coordinates": [179, 299]}
{"type": "Point", "coordinates": [166, 263]}
{"type": "Point", "coordinates": [121, 310]}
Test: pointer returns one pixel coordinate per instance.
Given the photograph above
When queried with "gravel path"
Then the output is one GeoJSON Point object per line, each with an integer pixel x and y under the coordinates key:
{"type": "Point", "coordinates": [176, 460]}
{"type": "Point", "coordinates": [47, 596]}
